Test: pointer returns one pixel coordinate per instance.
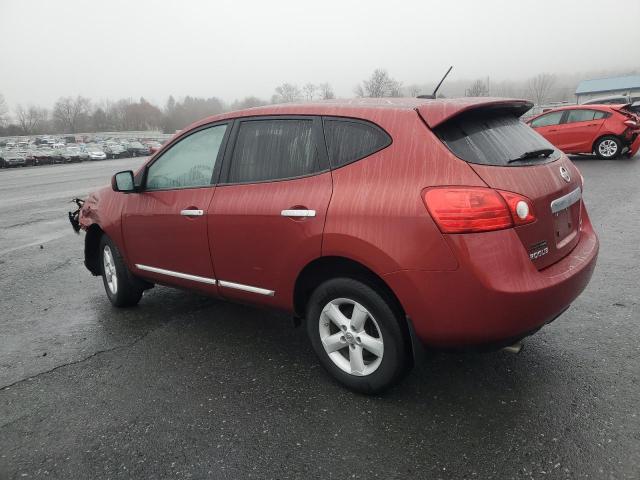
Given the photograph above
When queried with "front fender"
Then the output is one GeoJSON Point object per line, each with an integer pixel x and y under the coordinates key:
{"type": "Point", "coordinates": [102, 210]}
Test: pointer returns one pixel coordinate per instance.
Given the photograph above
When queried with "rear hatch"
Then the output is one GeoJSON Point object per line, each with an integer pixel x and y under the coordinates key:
{"type": "Point", "coordinates": [510, 156]}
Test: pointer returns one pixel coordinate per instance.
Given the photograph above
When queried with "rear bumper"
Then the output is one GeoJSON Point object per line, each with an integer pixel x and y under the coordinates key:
{"type": "Point", "coordinates": [496, 294]}
{"type": "Point", "coordinates": [635, 146]}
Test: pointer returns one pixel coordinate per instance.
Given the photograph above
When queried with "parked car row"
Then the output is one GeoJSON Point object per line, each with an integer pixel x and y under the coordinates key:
{"type": "Point", "coordinates": [47, 151]}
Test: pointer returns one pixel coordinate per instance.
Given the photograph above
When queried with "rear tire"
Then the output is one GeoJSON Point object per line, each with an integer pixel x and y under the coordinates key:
{"type": "Point", "coordinates": [357, 335]}
{"type": "Point", "coordinates": [122, 288]}
{"type": "Point", "coordinates": [608, 148]}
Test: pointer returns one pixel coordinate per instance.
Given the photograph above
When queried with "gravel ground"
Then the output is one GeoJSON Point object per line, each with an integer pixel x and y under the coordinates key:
{"type": "Point", "coordinates": [185, 386]}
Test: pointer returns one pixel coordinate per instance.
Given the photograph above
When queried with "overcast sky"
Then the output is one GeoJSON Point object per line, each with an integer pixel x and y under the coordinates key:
{"type": "Point", "coordinates": [232, 49]}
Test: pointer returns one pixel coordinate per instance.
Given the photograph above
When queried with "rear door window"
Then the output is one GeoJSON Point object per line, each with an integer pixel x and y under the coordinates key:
{"type": "Point", "coordinates": [274, 150]}
{"type": "Point", "coordinates": [494, 139]}
{"type": "Point", "coordinates": [580, 115]}
{"type": "Point", "coordinates": [552, 118]}
{"type": "Point", "coordinates": [351, 140]}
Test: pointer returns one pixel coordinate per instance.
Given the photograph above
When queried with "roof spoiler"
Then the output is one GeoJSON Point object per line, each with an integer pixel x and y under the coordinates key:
{"type": "Point", "coordinates": [439, 111]}
{"type": "Point", "coordinates": [620, 106]}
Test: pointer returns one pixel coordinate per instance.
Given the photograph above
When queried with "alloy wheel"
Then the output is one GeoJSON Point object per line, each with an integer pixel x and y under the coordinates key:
{"type": "Point", "coordinates": [608, 148]}
{"type": "Point", "coordinates": [351, 337]}
{"type": "Point", "coordinates": [110, 274]}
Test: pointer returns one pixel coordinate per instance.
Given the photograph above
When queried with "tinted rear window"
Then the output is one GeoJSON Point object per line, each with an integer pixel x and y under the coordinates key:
{"type": "Point", "coordinates": [580, 116]}
{"type": "Point", "coordinates": [273, 150]}
{"type": "Point", "coordinates": [349, 140]}
{"type": "Point", "coordinates": [493, 139]}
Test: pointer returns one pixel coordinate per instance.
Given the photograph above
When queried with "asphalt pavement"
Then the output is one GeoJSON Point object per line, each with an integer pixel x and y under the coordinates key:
{"type": "Point", "coordinates": [184, 386]}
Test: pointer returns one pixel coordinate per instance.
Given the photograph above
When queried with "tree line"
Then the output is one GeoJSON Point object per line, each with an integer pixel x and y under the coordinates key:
{"type": "Point", "coordinates": [80, 114]}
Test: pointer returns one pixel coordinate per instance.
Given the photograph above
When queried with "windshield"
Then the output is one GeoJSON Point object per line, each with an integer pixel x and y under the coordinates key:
{"type": "Point", "coordinates": [494, 139]}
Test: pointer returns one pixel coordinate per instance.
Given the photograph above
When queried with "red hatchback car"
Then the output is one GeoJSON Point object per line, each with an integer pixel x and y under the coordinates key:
{"type": "Point", "coordinates": [606, 130]}
{"type": "Point", "coordinates": [382, 223]}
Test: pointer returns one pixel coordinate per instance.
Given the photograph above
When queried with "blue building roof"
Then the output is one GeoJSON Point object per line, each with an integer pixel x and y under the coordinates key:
{"type": "Point", "coordinates": [608, 84]}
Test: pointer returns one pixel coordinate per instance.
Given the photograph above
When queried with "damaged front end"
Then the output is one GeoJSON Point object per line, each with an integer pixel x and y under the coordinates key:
{"type": "Point", "coordinates": [74, 217]}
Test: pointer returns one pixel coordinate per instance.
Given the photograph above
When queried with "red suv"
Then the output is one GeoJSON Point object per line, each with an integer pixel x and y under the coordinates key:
{"type": "Point", "coordinates": [385, 224]}
{"type": "Point", "coordinates": [606, 130]}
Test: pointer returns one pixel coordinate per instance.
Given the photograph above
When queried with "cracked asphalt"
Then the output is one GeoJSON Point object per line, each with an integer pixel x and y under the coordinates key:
{"type": "Point", "coordinates": [184, 386]}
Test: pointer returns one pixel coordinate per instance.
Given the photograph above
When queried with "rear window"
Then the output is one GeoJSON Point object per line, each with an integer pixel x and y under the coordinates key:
{"type": "Point", "coordinates": [273, 150]}
{"type": "Point", "coordinates": [494, 139]}
{"type": "Point", "coordinates": [351, 140]}
{"type": "Point", "coordinates": [552, 118]}
{"type": "Point", "coordinates": [584, 115]}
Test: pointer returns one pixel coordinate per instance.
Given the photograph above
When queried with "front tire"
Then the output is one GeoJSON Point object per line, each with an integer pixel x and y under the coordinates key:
{"type": "Point", "coordinates": [357, 335]}
{"type": "Point", "coordinates": [608, 148]}
{"type": "Point", "coordinates": [120, 285]}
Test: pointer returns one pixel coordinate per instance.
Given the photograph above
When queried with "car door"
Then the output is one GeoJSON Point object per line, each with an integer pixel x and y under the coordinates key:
{"type": "Point", "coordinates": [580, 128]}
{"type": "Point", "coordinates": [165, 224]}
{"type": "Point", "coordinates": [548, 125]}
{"type": "Point", "coordinates": [268, 211]}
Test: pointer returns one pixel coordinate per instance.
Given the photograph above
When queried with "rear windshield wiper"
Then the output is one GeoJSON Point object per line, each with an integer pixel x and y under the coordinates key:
{"type": "Point", "coordinates": [543, 152]}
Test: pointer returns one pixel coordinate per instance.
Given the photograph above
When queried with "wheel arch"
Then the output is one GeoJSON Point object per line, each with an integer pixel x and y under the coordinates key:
{"type": "Point", "coordinates": [92, 249]}
{"type": "Point", "coordinates": [604, 135]}
{"type": "Point", "coordinates": [327, 267]}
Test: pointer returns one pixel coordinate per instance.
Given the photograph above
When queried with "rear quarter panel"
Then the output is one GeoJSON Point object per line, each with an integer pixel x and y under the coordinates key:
{"type": "Point", "coordinates": [614, 125]}
{"type": "Point", "coordinates": [377, 216]}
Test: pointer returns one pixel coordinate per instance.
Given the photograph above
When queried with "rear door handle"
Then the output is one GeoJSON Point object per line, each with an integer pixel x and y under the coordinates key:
{"type": "Point", "coordinates": [192, 213]}
{"type": "Point", "coordinates": [298, 213]}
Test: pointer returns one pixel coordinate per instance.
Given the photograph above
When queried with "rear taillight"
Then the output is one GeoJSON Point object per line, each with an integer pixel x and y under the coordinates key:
{"type": "Point", "coordinates": [476, 209]}
{"type": "Point", "coordinates": [519, 207]}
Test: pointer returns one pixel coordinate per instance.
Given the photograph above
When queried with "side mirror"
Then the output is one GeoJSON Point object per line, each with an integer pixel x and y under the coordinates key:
{"type": "Point", "coordinates": [123, 182]}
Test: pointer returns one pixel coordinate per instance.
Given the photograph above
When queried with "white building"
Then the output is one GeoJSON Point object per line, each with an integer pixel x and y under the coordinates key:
{"type": "Point", "coordinates": [604, 87]}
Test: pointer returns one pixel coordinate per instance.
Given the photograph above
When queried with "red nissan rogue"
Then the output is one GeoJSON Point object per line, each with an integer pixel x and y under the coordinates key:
{"type": "Point", "coordinates": [384, 224]}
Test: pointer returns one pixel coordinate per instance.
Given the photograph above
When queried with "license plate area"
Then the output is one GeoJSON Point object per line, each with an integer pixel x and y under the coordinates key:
{"type": "Point", "coordinates": [566, 212]}
{"type": "Point", "coordinates": [564, 227]}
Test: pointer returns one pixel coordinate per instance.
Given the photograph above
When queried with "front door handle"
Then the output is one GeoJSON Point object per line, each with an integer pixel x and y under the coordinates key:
{"type": "Point", "coordinates": [298, 213]}
{"type": "Point", "coordinates": [192, 213]}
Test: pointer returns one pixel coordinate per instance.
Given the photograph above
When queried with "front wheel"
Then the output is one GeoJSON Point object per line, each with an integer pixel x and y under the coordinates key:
{"type": "Point", "coordinates": [121, 287]}
{"type": "Point", "coordinates": [357, 335]}
{"type": "Point", "coordinates": [608, 147]}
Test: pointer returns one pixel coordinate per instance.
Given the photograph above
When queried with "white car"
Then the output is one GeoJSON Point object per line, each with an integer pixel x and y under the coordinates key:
{"type": "Point", "coordinates": [97, 155]}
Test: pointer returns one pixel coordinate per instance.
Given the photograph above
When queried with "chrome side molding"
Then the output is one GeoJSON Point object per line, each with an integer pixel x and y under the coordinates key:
{"type": "Point", "coordinates": [566, 201]}
{"type": "Point", "coordinates": [298, 213]}
{"type": "Point", "coordinates": [246, 288]}
{"type": "Point", "coordinates": [171, 273]}
{"type": "Point", "coordinates": [209, 281]}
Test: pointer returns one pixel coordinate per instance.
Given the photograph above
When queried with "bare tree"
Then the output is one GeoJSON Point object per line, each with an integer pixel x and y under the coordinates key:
{"type": "Point", "coordinates": [326, 91]}
{"type": "Point", "coordinates": [286, 93]}
{"type": "Point", "coordinates": [414, 90]}
{"type": "Point", "coordinates": [380, 84]}
{"type": "Point", "coordinates": [30, 118]}
{"type": "Point", "coordinates": [4, 111]}
{"type": "Point", "coordinates": [70, 112]}
{"type": "Point", "coordinates": [309, 90]}
{"type": "Point", "coordinates": [540, 86]}
{"type": "Point", "coordinates": [477, 89]}
{"type": "Point", "coordinates": [248, 102]}
{"type": "Point", "coordinates": [506, 88]}
{"type": "Point", "coordinates": [178, 114]}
